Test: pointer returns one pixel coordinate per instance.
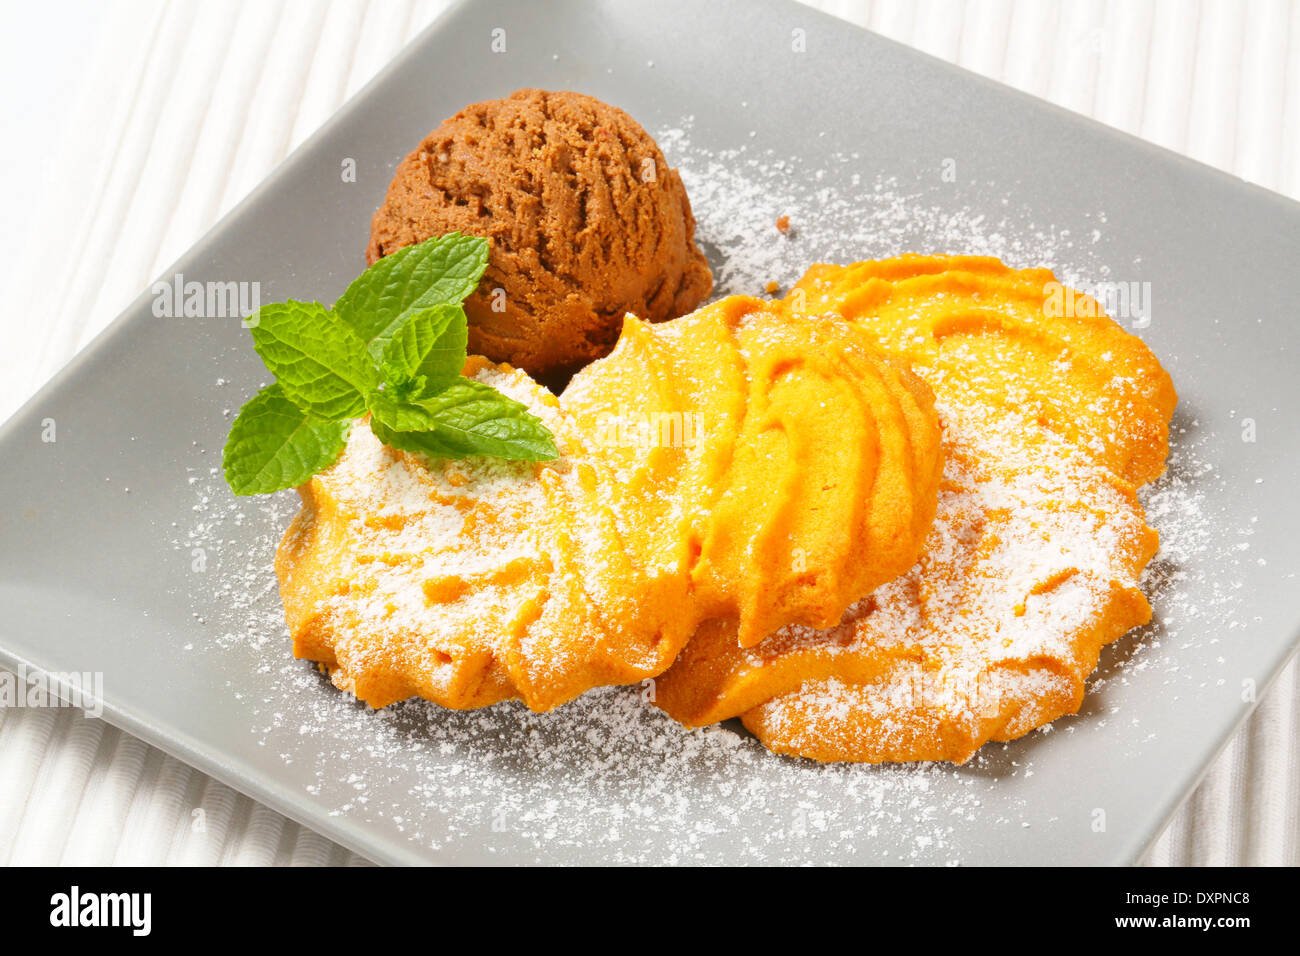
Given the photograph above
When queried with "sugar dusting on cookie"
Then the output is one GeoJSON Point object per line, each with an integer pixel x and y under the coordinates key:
{"type": "Point", "coordinates": [609, 777]}
{"type": "Point", "coordinates": [1034, 549]}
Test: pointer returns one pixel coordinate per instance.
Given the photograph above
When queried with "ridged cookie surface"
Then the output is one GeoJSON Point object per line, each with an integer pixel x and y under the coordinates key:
{"type": "Point", "coordinates": [1032, 565]}
{"type": "Point", "coordinates": [740, 463]}
{"type": "Point", "coordinates": [786, 465]}
{"type": "Point", "coordinates": [470, 582]}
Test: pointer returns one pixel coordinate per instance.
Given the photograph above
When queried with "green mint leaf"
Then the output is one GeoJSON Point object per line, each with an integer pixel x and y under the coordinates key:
{"type": "Point", "coordinates": [274, 445]}
{"type": "Point", "coordinates": [319, 361]}
{"type": "Point", "coordinates": [426, 443]}
{"type": "Point", "coordinates": [399, 411]}
{"type": "Point", "coordinates": [440, 270]}
{"type": "Point", "coordinates": [429, 345]}
{"type": "Point", "coordinates": [464, 419]}
{"type": "Point", "coordinates": [405, 389]}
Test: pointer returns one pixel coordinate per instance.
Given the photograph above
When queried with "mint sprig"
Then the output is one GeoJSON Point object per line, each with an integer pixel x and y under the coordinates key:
{"type": "Point", "coordinates": [274, 444]}
{"type": "Point", "coordinates": [394, 344]}
{"type": "Point", "coordinates": [430, 344]}
{"type": "Point", "coordinates": [442, 270]}
{"type": "Point", "coordinates": [465, 418]}
{"type": "Point", "coordinates": [319, 362]}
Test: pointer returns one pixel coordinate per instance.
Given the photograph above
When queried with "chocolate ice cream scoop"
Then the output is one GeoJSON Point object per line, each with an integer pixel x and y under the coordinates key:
{"type": "Point", "coordinates": [586, 220]}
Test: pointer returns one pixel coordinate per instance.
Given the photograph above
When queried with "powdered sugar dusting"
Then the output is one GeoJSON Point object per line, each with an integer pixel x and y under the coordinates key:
{"type": "Point", "coordinates": [1032, 545]}
{"type": "Point", "coordinates": [609, 777]}
{"type": "Point", "coordinates": [842, 213]}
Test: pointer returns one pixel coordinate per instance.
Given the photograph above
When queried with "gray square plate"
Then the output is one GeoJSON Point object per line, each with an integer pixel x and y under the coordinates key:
{"type": "Point", "coordinates": [122, 552]}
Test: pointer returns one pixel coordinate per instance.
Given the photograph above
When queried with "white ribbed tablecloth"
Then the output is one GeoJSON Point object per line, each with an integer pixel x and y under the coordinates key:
{"type": "Point", "coordinates": [202, 99]}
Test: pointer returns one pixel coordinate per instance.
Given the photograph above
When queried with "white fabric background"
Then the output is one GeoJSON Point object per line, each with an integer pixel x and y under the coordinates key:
{"type": "Point", "coordinates": [200, 100]}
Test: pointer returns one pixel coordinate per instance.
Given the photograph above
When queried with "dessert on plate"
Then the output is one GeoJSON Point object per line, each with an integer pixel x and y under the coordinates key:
{"type": "Point", "coordinates": [888, 517]}
{"type": "Point", "coordinates": [1049, 425]}
{"type": "Point", "coordinates": [808, 477]}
